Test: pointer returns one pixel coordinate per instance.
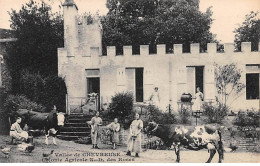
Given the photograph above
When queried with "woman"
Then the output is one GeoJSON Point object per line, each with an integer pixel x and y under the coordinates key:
{"type": "Point", "coordinates": [95, 122]}
{"type": "Point", "coordinates": [155, 97]}
{"type": "Point", "coordinates": [17, 132]}
{"type": "Point", "coordinates": [114, 128]}
{"type": "Point", "coordinates": [134, 142]}
{"type": "Point", "coordinates": [198, 100]}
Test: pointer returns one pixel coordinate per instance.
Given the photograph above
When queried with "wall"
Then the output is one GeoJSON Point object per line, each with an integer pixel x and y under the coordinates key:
{"type": "Point", "coordinates": [169, 72]}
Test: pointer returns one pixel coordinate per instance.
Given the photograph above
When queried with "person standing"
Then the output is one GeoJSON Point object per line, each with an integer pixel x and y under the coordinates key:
{"type": "Point", "coordinates": [114, 128]}
{"type": "Point", "coordinates": [95, 122]}
{"type": "Point", "coordinates": [134, 141]}
{"type": "Point", "coordinates": [155, 97]}
{"type": "Point", "coordinates": [198, 100]}
{"type": "Point", "coordinates": [17, 132]}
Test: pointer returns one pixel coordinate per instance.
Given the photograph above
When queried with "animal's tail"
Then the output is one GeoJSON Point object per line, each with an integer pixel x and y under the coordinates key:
{"type": "Point", "coordinates": [221, 146]}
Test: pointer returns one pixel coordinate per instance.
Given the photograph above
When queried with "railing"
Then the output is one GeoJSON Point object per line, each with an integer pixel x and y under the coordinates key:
{"type": "Point", "coordinates": [78, 104]}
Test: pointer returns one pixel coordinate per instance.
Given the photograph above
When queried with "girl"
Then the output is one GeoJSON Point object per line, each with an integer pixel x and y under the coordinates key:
{"type": "Point", "coordinates": [198, 100]}
{"type": "Point", "coordinates": [114, 128]}
{"type": "Point", "coordinates": [134, 142]}
{"type": "Point", "coordinates": [95, 122]}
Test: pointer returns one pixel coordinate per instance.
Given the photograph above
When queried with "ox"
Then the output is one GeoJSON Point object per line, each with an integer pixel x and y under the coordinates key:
{"type": "Point", "coordinates": [189, 137]}
{"type": "Point", "coordinates": [50, 122]}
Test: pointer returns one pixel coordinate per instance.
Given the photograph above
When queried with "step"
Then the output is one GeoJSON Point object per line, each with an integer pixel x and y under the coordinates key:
{"type": "Point", "coordinates": [77, 120]}
{"type": "Point", "coordinates": [74, 133]}
{"type": "Point", "coordinates": [81, 115]}
{"type": "Point", "coordinates": [75, 125]}
{"type": "Point", "coordinates": [76, 113]}
{"type": "Point", "coordinates": [68, 137]}
{"type": "Point", "coordinates": [75, 129]}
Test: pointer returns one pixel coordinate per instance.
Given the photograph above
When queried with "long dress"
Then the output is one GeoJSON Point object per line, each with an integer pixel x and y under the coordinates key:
{"type": "Point", "coordinates": [114, 127]}
{"type": "Point", "coordinates": [17, 132]}
{"type": "Point", "coordinates": [95, 122]}
{"type": "Point", "coordinates": [198, 101]}
{"type": "Point", "coordinates": [134, 143]}
{"type": "Point", "coordinates": [155, 98]}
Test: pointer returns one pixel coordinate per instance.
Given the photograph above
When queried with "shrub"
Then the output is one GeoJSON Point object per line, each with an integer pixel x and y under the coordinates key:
{"type": "Point", "coordinates": [15, 102]}
{"type": "Point", "coordinates": [157, 116]}
{"type": "Point", "coordinates": [215, 114]}
{"type": "Point", "coordinates": [248, 118]}
{"type": "Point", "coordinates": [121, 106]}
{"type": "Point", "coordinates": [184, 116]}
{"type": "Point", "coordinates": [46, 90]}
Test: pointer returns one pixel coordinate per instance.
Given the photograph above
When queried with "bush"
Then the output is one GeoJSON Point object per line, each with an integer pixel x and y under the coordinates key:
{"type": "Point", "coordinates": [46, 90]}
{"type": "Point", "coordinates": [157, 116]}
{"type": "Point", "coordinates": [215, 114]}
{"type": "Point", "coordinates": [121, 106]}
{"type": "Point", "coordinates": [248, 118]}
{"type": "Point", "coordinates": [15, 102]}
{"type": "Point", "coordinates": [184, 116]}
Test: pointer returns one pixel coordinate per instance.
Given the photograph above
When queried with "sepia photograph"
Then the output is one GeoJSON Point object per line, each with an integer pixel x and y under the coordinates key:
{"type": "Point", "coordinates": [129, 81]}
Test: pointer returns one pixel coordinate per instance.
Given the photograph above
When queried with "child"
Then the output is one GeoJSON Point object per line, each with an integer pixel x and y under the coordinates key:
{"type": "Point", "coordinates": [114, 128]}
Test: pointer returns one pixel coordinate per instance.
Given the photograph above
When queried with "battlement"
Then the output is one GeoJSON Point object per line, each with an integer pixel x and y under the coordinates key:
{"type": "Point", "coordinates": [229, 48]}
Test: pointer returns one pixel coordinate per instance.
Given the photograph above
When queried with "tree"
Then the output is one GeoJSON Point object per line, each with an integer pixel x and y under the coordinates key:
{"type": "Point", "coordinates": [39, 33]}
{"type": "Point", "coordinates": [151, 22]}
{"type": "Point", "coordinates": [228, 83]}
{"type": "Point", "coordinates": [249, 31]}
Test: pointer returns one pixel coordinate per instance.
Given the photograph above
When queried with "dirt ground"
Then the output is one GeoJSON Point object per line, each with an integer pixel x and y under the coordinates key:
{"type": "Point", "coordinates": [68, 151]}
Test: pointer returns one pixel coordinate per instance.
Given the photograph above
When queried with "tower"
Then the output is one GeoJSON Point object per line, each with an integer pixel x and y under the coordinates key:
{"type": "Point", "coordinates": [70, 11]}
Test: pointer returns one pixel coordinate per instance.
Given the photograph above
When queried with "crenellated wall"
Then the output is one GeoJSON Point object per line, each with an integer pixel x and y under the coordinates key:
{"type": "Point", "coordinates": [167, 71]}
{"type": "Point", "coordinates": [172, 73]}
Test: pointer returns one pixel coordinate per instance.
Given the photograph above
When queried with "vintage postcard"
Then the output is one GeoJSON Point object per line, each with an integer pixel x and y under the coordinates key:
{"type": "Point", "coordinates": [129, 81]}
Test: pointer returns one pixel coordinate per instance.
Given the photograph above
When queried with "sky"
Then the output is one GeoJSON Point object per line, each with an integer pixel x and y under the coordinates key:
{"type": "Point", "coordinates": [227, 14]}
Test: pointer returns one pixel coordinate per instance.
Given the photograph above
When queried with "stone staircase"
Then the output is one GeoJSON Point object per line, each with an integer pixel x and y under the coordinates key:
{"type": "Point", "coordinates": [75, 127]}
{"type": "Point", "coordinates": [247, 143]}
{"type": "Point", "coordinates": [242, 143]}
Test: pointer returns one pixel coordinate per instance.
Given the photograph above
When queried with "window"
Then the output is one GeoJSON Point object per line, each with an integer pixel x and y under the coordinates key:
{"type": "Point", "coordinates": [252, 86]}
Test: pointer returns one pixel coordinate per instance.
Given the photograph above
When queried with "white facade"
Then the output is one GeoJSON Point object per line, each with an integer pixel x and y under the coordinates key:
{"type": "Point", "coordinates": [83, 66]}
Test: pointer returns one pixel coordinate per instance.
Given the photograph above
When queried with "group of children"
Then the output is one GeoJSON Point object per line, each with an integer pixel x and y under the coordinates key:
{"type": "Point", "coordinates": [134, 141]}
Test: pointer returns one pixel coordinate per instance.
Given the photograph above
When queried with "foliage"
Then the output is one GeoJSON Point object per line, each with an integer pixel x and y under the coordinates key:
{"type": "Point", "coordinates": [215, 114]}
{"type": "Point", "coordinates": [48, 91]}
{"type": "Point", "coordinates": [228, 83]}
{"type": "Point", "coordinates": [184, 116]}
{"type": "Point", "coordinates": [249, 31]}
{"type": "Point", "coordinates": [39, 33]}
{"type": "Point", "coordinates": [151, 22]}
{"type": "Point", "coordinates": [157, 116]}
{"type": "Point", "coordinates": [15, 102]}
{"type": "Point", "coordinates": [248, 118]}
{"type": "Point", "coordinates": [121, 106]}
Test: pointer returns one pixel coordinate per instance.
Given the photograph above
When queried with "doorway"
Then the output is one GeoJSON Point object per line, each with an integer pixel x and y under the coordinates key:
{"type": "Point", "coordinates": [93, 86]}
{"type": "Point", "coordinates": [135, 83]}
{"type": "Point", "coordinates": [195, 77]}
{"type": "Point", "coordinates": [199, 77]}
{"type": "Point", "coordinates": [139, 84]}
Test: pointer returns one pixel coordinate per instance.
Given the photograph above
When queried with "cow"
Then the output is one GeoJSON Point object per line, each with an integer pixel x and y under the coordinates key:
{"type": "Point", "coordinates": [51, 122]}
{"type": "Point", "coordinates": [189, 137]}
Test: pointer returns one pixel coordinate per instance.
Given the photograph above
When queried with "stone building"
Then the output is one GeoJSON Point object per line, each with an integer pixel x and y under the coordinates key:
{"type": "Point", "coordinates": [86, 70]}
